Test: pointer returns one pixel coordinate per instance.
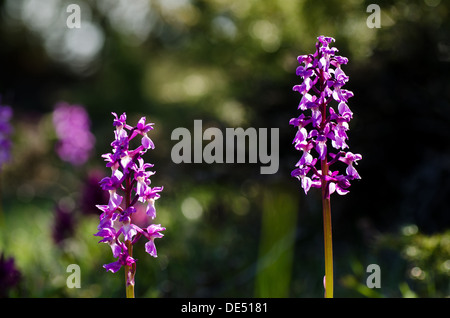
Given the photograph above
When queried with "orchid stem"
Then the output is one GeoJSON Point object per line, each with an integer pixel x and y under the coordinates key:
{"type": "Point", "coordinates": [328, 242]}
{"type": "Point", "coordinates": [129, 274]}
{"type": "Point", "coordinates": [327, 234]}
{"type": "Point", "coordinates": [129, 270]}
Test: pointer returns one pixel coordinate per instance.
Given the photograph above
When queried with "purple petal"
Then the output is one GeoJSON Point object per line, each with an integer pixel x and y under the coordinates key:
{"type": "Point", "coordinates": [129, 231]}
{"type": "Point", "coordinates": [147, 143]}
{"type": "Point", "coordinates": [151, 211]}
{"type": "Point", "coordinates": [153, 230]}
{"type": "Point", "coordinates": [305, 59]}
{"type": "Point", "coordinates": [306, 184]}
{"type": "Point", "coordinates": [325, 40]}
{"type": "Point", "coordinates": [301, 135]}
{"type": "Point", "coordinates": [116, 249]}
{"type": "Point", "coordinates": [114, 200]}
{"type": "Point", "coordinates": [321, 146]}
{"type": "Point", "coordinates": [341, 191]}
{"type": "Point", "coordinates": [351, 171]}
{"type": "Point", "coordinates": [113, 267]}
{"type": "Point", "coordinates": [151, 248]}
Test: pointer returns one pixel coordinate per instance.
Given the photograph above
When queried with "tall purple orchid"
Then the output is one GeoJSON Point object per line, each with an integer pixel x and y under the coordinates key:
{"type": "Point", "coordinates": [322, 86]}
{"type": "Point", "coordinates": [128, 184]}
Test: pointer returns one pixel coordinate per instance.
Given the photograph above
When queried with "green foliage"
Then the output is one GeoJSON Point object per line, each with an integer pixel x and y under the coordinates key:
{"type": "Point", "coordinates": [276, 250]}
{"type": "Point", "coordinates": [413, 264]}
{"type": "Point", "coordinates": [427, 260]}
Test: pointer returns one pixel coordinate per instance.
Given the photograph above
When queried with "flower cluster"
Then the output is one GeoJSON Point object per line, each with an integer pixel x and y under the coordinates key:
{"type": "Point", "coordinates": [128, 184]}
{"type": "Point", "coordinates": [323, 80]}
{"type": "Point", "coordinates": [5, 131]}
{"type": "Point", "coordinates": [72, 126]}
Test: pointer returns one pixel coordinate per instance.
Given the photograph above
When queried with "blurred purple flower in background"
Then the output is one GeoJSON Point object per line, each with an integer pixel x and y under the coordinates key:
{"type": "Point", "coordinates": [72, 126]}
{"type": "Point", "coordinates": [5, 131]}
{"type": "Point", "coordinates": [92, 194]}
{"type": "Point", "coordinates": [64, 223]}
{"type": "Point", "coordinates": [9, 275]}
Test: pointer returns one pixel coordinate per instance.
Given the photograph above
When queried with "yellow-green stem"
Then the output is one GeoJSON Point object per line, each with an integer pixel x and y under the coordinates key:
{"type": "Point", "coordinates": [129, 270]}
{"type": "Point", "coordinates": [129, 274]}
{"type": "Point", "coordinates": [327, 234]}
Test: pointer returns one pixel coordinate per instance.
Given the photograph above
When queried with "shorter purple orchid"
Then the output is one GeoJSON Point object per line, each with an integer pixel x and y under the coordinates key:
{"type": "Point", "coordinates": [129, 183]}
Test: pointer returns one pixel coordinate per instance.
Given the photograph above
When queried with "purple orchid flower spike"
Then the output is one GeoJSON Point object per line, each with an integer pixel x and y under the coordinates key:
{"type": "Point", "coordinates": [323, 81]}
{"type": "Point", "coordinates": [128, 184]}
{"type": "Point", "coordinates": [323, 145]}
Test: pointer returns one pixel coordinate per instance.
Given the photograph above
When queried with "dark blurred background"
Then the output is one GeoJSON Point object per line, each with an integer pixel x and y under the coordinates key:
{"type": "Point", "coordinates": [231, 232]}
